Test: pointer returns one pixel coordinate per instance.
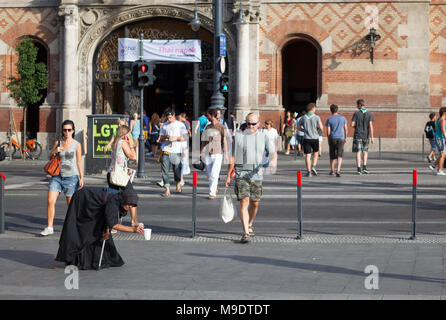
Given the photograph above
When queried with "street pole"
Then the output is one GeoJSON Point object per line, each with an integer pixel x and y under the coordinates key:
{"type": "Point", "coordinates": [141, 158]}
{"type": "Point", "coordinates": [127, 69]}
{"type": "Point", "coordinates": [217, 99]}
{"type": "Point", "coordinates": [196, 86]}
{"type": "Point", "coordinates": [2, 203]}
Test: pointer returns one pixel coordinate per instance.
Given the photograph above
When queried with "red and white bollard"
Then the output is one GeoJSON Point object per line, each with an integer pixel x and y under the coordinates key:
{"type": "Point", "coordinates": [414, 204]}
{"type": "Point", "coordinates": [299, 205]}
{"type": "Point", "coordinates": [194, 203]}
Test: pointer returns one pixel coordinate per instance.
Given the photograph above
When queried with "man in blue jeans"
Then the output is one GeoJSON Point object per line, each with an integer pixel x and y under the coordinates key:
{"type": "Point", "coordinates": [172, 133]}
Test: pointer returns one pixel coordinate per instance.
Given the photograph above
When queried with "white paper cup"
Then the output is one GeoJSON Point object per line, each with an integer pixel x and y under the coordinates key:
{"type": "Point", "coordinates": [147, 233]}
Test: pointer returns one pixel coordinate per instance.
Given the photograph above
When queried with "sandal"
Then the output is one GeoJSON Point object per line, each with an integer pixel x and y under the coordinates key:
{"type": "Point", "coordinates": [165, 194]}
{"type": "Point", "coordinates": [245, 238]}
{"type": "Point", "coordinates": [251, 231]}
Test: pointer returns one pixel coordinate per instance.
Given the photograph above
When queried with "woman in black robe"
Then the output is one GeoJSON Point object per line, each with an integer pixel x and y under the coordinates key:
{"type": "Point", "coordinates": [92, 213]}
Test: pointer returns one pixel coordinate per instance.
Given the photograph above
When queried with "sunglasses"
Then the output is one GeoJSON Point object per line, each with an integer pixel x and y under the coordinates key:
{"type": "Point", "coordinates": [67, 130]}
{"type": "Point", "coordinates": [251, 123]}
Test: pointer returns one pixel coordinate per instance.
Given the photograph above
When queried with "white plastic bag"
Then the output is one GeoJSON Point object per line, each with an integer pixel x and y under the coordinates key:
{"type": "Point", "coordinates": [227, 210]}
{"type": "Point", "coordinates": [185, 169]}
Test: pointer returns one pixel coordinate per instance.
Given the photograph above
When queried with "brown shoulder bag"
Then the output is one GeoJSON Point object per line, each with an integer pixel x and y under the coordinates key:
{"type": "Point", "coordinates": [53, 166]}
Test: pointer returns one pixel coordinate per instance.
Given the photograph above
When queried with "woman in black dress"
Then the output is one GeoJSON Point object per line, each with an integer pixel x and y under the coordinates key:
{"type": "Point", "coordinates": [92, 213]}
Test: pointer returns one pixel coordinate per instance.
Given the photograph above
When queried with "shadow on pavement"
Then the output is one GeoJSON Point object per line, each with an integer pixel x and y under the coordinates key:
{"type": "Point", "coordinates": [31, 258]}
{"type": "Point", "coordinates": [314, 267]}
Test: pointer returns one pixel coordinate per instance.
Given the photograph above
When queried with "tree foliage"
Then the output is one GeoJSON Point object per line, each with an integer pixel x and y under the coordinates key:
{"type": "Point", "coordinates": [32, 75]}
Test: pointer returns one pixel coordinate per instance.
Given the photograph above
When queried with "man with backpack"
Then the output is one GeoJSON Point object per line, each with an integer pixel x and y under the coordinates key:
{"type": "Point", "coordinates": [362, 122]}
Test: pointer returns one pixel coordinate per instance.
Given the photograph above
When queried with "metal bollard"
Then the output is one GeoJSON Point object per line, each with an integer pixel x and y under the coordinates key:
{"type": "Point", "coordinates": [295, 151]}
{"type": "Point", "coordinates": [422, 146]}
{"type": "Point", "coordinates": [414, 205]}
{"type": "Point", "coordinates": [380, 147]}
{"type": "Point", "coordinates": [299, 205]}
{"type": "Point", "coordinates": [2, 203]}
{"type": "Point", "coordinates": [194, 204]}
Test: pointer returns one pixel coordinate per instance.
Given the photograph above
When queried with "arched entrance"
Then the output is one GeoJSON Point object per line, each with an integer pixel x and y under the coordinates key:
{"type": "Point", "coordinates": [32, 113]}
{"type": "Point", "coordinates": [174, 81]}
{"type": "Point", "coordinates": [301, 71]}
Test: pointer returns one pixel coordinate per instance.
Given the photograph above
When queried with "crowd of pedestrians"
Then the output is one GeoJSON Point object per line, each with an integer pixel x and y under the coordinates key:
{"type": "Point", "coordinates": [306, 137]}
{"type": "Point", "coordinates": [247, 148]}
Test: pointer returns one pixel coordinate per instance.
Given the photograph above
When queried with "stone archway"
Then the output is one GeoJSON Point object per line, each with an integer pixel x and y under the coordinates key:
{"type": "Point", "coordinates": [301, 58]}
{"type": "Point", "coordinates": [173, 80]}
{"type": "Point", "coordinates": [104, 23]}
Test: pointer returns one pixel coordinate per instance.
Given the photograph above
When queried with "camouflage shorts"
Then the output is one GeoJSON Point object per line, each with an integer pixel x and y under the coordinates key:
{"type": "Point", "coordinates": [248, 189]}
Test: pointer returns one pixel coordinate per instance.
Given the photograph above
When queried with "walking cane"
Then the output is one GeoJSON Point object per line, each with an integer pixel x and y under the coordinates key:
{"type": "Point", "coordinates": [102, 253]}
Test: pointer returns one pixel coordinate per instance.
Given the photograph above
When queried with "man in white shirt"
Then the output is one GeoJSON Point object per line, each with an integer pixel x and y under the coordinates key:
{"type": "Point", "coordinates": [172, 133]}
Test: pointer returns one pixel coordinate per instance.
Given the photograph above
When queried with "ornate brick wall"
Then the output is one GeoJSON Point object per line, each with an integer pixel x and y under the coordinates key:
{"type": "Point", "coordinates": [42, 25]}
{"type": "Point", "coordinates": [437, 41]}
{"type": "Point", "coordinates": [346, 69]}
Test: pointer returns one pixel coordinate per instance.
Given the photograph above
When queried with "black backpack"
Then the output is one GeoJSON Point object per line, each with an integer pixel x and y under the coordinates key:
{"type": "Point", "coordinates": [2, 153]}
{"type": "Point", "coordinates": [429, 129]}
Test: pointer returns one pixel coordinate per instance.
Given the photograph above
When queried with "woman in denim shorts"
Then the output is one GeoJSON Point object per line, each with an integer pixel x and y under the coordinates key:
{"type": "Point", "coordinates": [71, 175]}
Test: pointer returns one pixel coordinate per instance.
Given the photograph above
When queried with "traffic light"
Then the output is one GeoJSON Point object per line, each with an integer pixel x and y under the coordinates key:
{"type": "Point", "coordinates": [224, 83]}
{"type": "Point", "coordinates": [132, 77]}
{"type": "Point", "coordinates": [145, 73]}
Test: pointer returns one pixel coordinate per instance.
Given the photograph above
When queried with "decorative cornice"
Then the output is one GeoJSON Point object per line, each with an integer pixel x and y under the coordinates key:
{"type": "Point", "coordinates": [70, 13]}
{"type": "Point", "coordinates": [105, 23]}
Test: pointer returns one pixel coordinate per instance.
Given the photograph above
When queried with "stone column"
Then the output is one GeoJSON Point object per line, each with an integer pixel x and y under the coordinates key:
{"type": "Point", "coordinates": [70, 75]}
{"type": "Point", "coordinates": [242, 74]}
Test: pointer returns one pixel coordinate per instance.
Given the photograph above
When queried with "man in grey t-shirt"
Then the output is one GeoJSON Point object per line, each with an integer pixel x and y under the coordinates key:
{"type": "Point", "coordinates": [309, 125]}
{"type": "Point", "coordinates": [249, 149]}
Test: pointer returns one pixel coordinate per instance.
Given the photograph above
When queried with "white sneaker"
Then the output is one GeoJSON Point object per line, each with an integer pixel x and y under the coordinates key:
{"type": "Point", "coordinates": [432, 168]}
{"type": "Point", "coordinates": [47, 231]}
{"type": "Point", "coordinates": [441, 173]}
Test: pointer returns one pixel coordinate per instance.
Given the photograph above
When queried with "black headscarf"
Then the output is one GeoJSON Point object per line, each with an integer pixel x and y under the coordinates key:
{"type": "Point", "coordinates": [129, 196]}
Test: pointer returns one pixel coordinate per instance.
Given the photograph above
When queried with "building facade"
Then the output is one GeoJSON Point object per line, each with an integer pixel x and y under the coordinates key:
{"type": "Point", "coordinates": [287, 54]}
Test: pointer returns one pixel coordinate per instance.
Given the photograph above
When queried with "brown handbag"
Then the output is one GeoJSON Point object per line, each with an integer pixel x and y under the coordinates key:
{"type": "Point", "coordinates": [52, 167]}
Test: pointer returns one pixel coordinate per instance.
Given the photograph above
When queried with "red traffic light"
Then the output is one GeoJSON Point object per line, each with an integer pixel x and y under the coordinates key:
{"type": "Point", "coordinates": [144, 68]}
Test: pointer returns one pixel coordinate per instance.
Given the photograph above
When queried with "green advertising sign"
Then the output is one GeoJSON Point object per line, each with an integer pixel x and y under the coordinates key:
{"type": "Point", "coordinates": [104, 129]}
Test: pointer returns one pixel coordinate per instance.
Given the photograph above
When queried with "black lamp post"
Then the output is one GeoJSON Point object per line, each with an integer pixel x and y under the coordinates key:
{"type": "Point", "coordinates": [217, 99]}
{"type": "Point", "coordinates": [195, 24]}
{"type": "Point", "coordinates": [141, 173]}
